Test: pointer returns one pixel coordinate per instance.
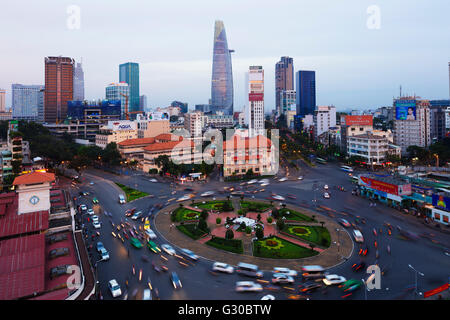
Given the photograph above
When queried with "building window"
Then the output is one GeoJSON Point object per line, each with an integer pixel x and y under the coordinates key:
{"type": "Point", "coordinates": [437, 216]}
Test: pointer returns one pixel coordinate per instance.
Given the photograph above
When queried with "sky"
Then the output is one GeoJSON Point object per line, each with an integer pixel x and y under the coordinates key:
{"type": "Point", "coordinates": [362, 51]}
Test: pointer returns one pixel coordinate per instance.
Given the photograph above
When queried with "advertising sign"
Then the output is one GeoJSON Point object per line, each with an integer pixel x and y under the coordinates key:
{"type": "Point", "coordinates": [13, 125]}
{"type": "Point", "coordinates": [122, 125]}
{"type": "Point", "coordinates": [405, 110]}
{"type": "Point", "coordinates": [357, 120]}
{"type": "Point", "coordinates": [159, 116]}
{"type": "Point", "coordinates": [440, 201]}
{"type": "Point", "coordinates": [404, 190]}
{"type": "Point", "coordinates": [255, 96]}
{"type": "Point", "coordinates": [380, 185]}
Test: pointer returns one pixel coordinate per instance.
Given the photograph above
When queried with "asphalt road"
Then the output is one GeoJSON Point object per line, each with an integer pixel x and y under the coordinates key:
{"type": "Point", "coordinates": [425, 254]}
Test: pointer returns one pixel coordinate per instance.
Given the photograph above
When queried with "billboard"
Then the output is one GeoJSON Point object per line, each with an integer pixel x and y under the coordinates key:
{"type": "Point", "coordinates": [122, 125]}
{"type": "Point", "coordinates": [159, 116]}
{"type": "Point", "coordinates": [405, 110]}
{"type": "Point", "coordinates": [379, 185]}
{"type": "Point", "coordinates": [256, 97]}
{"type": "Point", "coordinates": [440, 201]}
{"type": "Point", "coordinates": [366, 120]}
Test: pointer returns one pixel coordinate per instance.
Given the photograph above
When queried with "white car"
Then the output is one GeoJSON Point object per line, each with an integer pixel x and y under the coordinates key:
{"type": "Point", "coordinates": [248, 286]}
{"type": "Point", "coordinates": [278, 197]}
{"type": "Point", "coordinates": [96, 225]}
{"type": "Point", "coordinates": [147, 295]}
{"type": "Point", "coordinates": [207, 194]}
{"type": "Point", "coordinates": [122, 199]}
{"type": "Point", "coordinates": [264, 184]}
{"type": "Point", "coordinates": [326, 195]}
{"type": "Point", "coordinates": [104, 253]}
{"type": "Point", "coordinates": [184, 198]}
{"type": "Point", "coordinates": [358, 236]}
{"type": "Point", "coordinates": [83, 207]}
{"type": "Point", "coordinates": [191, 255]}
{"type": "Point", "coordinates": [268, 297]}
{"type": "Point", "coordinates": [222, 267]}
{"type": "Point", "coordinates": [95, 218]}
{"type": "Point", "coordinates": [137, 215]}
{"type": "Point", "coordinates": [300, 178]}
{"type": "Point", "coordinates": [90, 211]}
{"type": "Point", "coordinates": [114, 288]}
{"type": "Point", "coordinates": [331, 279]}
{"type": "Point", "coordinates": [325, 187]}
{"type": "Point", "coordinates": [282, 278]}
{"type": "Point", "coordinates": [252, 181]}
{"type": "Point", "coordinates": [168, 249]}
{"type": "Point", "coordinates": [283, 179]}
{"type": "Point", "coordinates": [286, 271]}
{"type": "Point", "coordinates": [264, 181]}
{"type": "Point", "coordinates": [153, 180]}
{"type": "Point", "coordinates": [150, 233]}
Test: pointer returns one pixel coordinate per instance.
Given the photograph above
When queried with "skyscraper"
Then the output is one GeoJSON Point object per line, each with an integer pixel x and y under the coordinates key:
{"type": "Point", "coordinates": [306, 92]}
{"type": "Point", "coordinates": [129, 73]}
{"type": "Point", "coordinates": [114, 91]}
{"type": "Point", "coordinates": [222, 75]}
{"type": "Point", "coordinates": [78, 83]}
{"type": "Point", "coordinates": [284, 78]}
{"type": "Point", "coordinates": [26, 101]}
{"type": "Point", "coordinates": [2, 100]}
{"type": "Point", "coordinates": [143, 102]}
{"type": "Point", "coordinates": [255, 100]}
{"type": "Point", "coordinates": [58, 87]}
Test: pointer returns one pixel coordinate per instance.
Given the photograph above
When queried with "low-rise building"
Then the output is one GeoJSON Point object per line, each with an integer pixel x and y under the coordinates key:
{"type": "Point", "coordinates": [116, 131]}
{"type": "Point", "coordinates": [371, 147]}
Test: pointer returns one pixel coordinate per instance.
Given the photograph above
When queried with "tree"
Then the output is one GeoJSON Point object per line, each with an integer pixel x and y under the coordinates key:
{"type": "Point", "coordinates": [229, 234]}
{"type": "Point", "coordinates": [202, 225]}
{"type": "Point", "coordinates": [280, 224]}
{"type": "Point", "coordinates": [269, 219]}
{"type": "Point", "coordinates": [312, 246]}
{"type": "Point", "coordinates": [204, 214]}
{"type": "Point", "coordinates": [258, 217]}
{"type": "Point", "coordinates": [249, 173]}
{"type": "Point", "coordinates": [259, 232]}
{"type": "Point", "coordinates": [275, 213]}
{"type": "Point", "coordinates": [248, 230]}
{"type": "Point", "coordinates": [218, 220]}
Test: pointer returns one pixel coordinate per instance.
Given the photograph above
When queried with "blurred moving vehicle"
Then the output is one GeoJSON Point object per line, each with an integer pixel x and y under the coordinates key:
{"type": "Point", "coordinates": [122, 199]}
{"type": "Point", "coordinates": [222, 267]}
{"type": "Point", "coordinates": [282, 278]}
{"type": "Point", "coordinates": [286, 271]}
{"type": "Point", "coordinates": [168, 249]}
{"type": "Point", "coordinates": [358, 236]}
{"type": "Point", "coordinates": [248, 286]}
{"type": "Point", "coordinates": [191, 255]}
{"type": "Point", "coordinates": [114, 288]}
{"type": "Point", "coordinates": [250, 270]}
{"type": "Point", "coordinates": [333, 279]}
{"type": "Point", "coordinates": [344, 223]}
{"type": "Point", "coordinates": [176, 282]}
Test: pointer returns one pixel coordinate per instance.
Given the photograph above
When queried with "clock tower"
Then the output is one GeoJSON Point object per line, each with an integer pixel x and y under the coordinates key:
{"type": "Point", "coordinates": [33, 190]}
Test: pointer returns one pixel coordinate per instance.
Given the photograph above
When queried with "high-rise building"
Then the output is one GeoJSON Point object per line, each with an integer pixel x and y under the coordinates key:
{"type": "Point", "coordinates": [255, 101]}
{"type": "Point", "coordinates": [411, 123]}
{"type": "Point", "coordinates": [2, 100]}
{"type": "Point", "coordinates": [129, 73]}
{"type": "Point", "coordinates": [26, 101]}
{"type": "Point", "coordinates": [78, 83]}
{"type": "Point", "coordinates": [143, 102]}
{"type": "Point", "coordinates": [222, 75]}
{"type": "Point", "coordinates": [182, 105]}
{"type": "Point", "coordinates": [193, 122]}
{"type": "Point", "coordinates": [286, 100]}
{"type": "Point", "coordinates": [306, 92]}
{"type": "Point", "coordinates": [118, 91]}
{"type": "Point", "coordinates": [445, 106]}
{"type": "Point", "coordinates": [58, 87]}
{"type": "Point", "coordinates": [284, 78]}
{"type": "Point", "coordinates": [324, 119]}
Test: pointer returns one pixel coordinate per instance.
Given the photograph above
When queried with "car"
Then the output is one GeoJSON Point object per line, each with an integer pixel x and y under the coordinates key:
{"type": "Point", "coordinates": [91, 183]}
{"type": "Point", "coordinates": [326, 195]}
{"type": "Point", "coordinates": [94, 200]}
{"type": "Point", "coordinates": [332, 279]}
{"type": "Point", "coordinates": [56, 238]}
{"type": "Point", "coordinates": [249, 270]}
{"type": "Point", "coordinates": [363, 251]}
{"type": "Point", "coordinates": [359, 266]}
{"type": "Point", "coordinates": [95, 218]}
{"type": "Point", "coordinates": [358, 236]}
{"type": "Point", "coordinates": [351, 285]}
{"type": "Point", "coordinates": [310, 286]}
{"type": "Point", "coordinates": [300, 178]}
{"type": "Point", "coordinates": [252, 181]}
{"type": "Point", "coordinates": [147, 295]}
{"type": "Point", "coordinates": [122, 199]}
{"type": "Point", "coordinates": [96, 225]}
{"type": "Point", "coordinates": [176, 282]}
{"type": "Point", "coordinates": [153, 247]}
{"type": "Point", "coordinates": [136, 243]}
{"type": "Point", "coordinates": [207, 194]}
{"type": "Point", "coordinates": [189, 254]}
{"type": "Point", "coordinates": [104, 253]}
{"type": "Point", "coordinates": [291, 196]}
{"type": "Point", "coordinates": [153, 180]}
{"type": "Point", "coordinates": [286, 271]}
{"type": "Point", "coordinates": [264, 181]}
{"type": "Point", "coordinates": [268, 297]}
{"type": "Point", "coordinates": [183, 198]}
{"type": "Point", "coordinates": [344, 223]}
{"type": "Point", "coordinates": [150, 233]}
{"type": "Point", "coordinates": [147, 222]}
{"type": "Point", "coordinates": [83, 207]}
{"type": "Point", "coordinates": [59, 271]}
{"type": "Point", "coordinates": [168, 249]}
{"type": "Point", "coordinates": [60, 252]}
{"type": "Point", "coordinates": [114, 288]}
{"type": "Point", "coordinates": [278, 197]}
{"type": "Point", "coordinates": [325, 187]}
{"type": "Point", "coordinates": [90, 211]}
{"type": "Point", "coordinates": [282, 278]}
{"type": "Point", "coordinates": [136, 215]}
{"type": "Point", "coordinates": [265, 184]}
{"type": "Point", "coordinates": [222, 267]}
{"type": "Point", "coordinates": [283, 179]}
{"type": "Point", "coordinates": [100, 246]}
{"type": "Point", "coordinates": [248, 286]}
{"type": "Point", "coordinates": [313, 272]}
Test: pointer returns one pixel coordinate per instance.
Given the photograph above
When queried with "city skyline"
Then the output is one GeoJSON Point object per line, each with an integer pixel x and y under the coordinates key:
{"type": "Point", "coordinates": [356, 67]}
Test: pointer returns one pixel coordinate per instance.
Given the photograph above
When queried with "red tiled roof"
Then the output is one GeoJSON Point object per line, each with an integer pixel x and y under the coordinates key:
{"type": "Point", "coordinates": [136, 142]}
{"type": "Point", "coordinates": [167, 137]}
{"type": "Point", "coordinates": [34, 177]}
{"type": "Point", "coordinates": [238, 142]}
{"type": "Point", "coordinates": [169, 145]}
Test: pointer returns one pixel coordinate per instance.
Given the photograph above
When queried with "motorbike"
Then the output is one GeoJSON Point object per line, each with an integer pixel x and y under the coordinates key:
{"type": "Point", "coordinates": [389, 249]}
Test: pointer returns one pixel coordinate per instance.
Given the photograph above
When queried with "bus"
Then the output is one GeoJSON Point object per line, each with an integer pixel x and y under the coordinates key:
{"type": "Point", "coordinates": [346, 168]}
{"type": "Point", "coordinates": [321, 161]}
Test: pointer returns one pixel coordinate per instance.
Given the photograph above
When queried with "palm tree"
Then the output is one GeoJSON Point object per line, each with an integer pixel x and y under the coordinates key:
{"type": "Point", "coordinates": [322, 223]}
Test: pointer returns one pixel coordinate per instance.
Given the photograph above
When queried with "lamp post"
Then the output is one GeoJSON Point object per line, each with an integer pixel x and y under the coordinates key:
{"type": "Point", "coordinates": [365, 288]}
{"type": "Point", "coordinates": [96, 275]}
{"type": "Point", "coordinates": [416, 272]}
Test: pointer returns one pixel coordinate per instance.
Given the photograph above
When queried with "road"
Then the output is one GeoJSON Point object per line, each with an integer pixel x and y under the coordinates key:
{"type": "Point", "coordinates": [199, 283]}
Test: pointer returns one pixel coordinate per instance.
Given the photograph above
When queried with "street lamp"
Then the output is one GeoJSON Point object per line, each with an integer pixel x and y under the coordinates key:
{"type": "Point", "coordinates": [416, 272]}
{"type": "Point", "coordinates": [365, 288]}
{"type": "Point", "coordinates": [96, 274]}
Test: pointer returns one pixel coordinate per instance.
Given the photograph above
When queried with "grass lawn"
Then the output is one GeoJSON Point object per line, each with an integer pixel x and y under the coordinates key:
{"type": "Point", "coordinates": [251, 206]}
{"type": "Point", "coordinates": [233, 245]}
{"type": "Point", "coordinates": [183, 214]}
{"type": "Point", "coordinates": [277, 248]}
{"type": "Point", "coordinates": [214, 205]}
{"type": "Point", "coordinates": [191, 231]}
{"type": "Point", "coordinates": [132, 194]}
{"type": "Point", "coordinates": [317, 235]}
{"type": "Point", "coordinates": [294, 215]}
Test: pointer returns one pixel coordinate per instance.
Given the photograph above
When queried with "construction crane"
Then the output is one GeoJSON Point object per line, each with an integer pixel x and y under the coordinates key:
{"type": "Point", "coordinates": [127, 114]}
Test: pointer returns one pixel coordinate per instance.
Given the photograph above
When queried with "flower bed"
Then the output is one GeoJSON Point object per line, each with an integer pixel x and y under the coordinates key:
{"type": "Point", "coordinates": [317, 235]}
{"type": "Point", "coordinates": [219, 205]}
{"type": "Point", "coordinates": [277, 248]}
{"type": "Point", "coordinates": [183, 214]}
{"type": "Point", "coordinates": [294, 215]}
{"type": "Point", "coordinates": [250, 206]}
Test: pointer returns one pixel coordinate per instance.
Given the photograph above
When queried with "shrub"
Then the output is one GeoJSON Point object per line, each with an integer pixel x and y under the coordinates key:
{"type": "Point", "coordinates": [258, 217]}
{"type": "Point", "coordinates": [275, 213]}
{"type": "Point", "coordinates": [269, 220]}
{"type": "Point", "coordinates": [271, 243]}
{"type": "Point", "coordinates": [280, 224]}
{"type": "Point", "coordinates": [259, 233]}
{"type": "Point", "coordinates": [248, 230]}
{"type": "Point", "coordinates": [218, 220]}
{"type": "Point", "coordinates": [204, 214]}
{"type": "Point", "coordinates": [202, 225]}
{"type": "Point", "coordinates": [229, 234]}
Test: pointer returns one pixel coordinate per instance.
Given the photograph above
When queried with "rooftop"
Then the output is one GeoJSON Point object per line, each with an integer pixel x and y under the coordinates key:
{"type": "Point", "coordinates": [34, 177]}
{"type": "Point", "coordinates": [238, 142]}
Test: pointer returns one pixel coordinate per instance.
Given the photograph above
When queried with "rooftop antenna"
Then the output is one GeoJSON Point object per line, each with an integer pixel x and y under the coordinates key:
{"type": "Point", "coordinates": [400, 91]}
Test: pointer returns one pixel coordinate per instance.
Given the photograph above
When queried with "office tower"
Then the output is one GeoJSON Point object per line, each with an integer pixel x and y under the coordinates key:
{"type": "Point", "coordinates": [222, 75]}
{"type": "Point", "coordinates": [2, 100]}
{"type": "Point", "coordinates": [78, 83]}
{"type": "Point", "coordinates": [129, 73]}
{"type": "Point", "coordinates": [306, 92]}
{"type": "Point", "coordinates": [286, 99]}
{"type": "Point", "coordinates": [182, 105]}
{"type": "Point", "coordinates": [411, 123]}
{"type": "Point", "coordinates": [324, 119]}
{"type": "Point", "coordinates": [118, 91]}
{"type": "Point", "coordinates": [284, 78]}
{"type": "Point", "coordinates": [143, 102]}
{"type": "Point", "coordinates": [255, 100]}
{"type": "Point", "coordinates": [58, 87]}
{"type": "Point", "coordinates": [26, 100]}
